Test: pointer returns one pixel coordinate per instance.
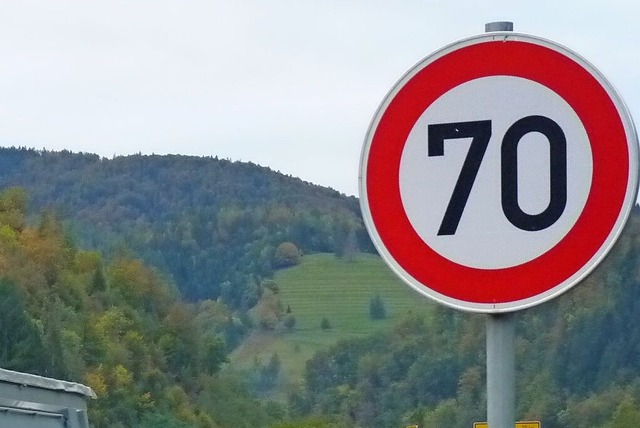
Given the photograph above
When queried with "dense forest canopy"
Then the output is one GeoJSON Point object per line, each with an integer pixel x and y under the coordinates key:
{"type": "Point", "coordinates": [211, 225]}
{"type": "Point", "coordinates": [96, 254]}
{"type": "Point", "coordinates": [577, 356]}
{"type": "Point", "coordinates": [116, 326]}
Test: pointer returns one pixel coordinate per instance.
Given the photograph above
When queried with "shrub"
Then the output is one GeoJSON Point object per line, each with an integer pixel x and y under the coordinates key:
{"type": "Point", "coordinates": [377, 310]}
{"type": "Point", "coordinates": [287, 254]}
{"type": "Point", "coordinates": [325, 324]}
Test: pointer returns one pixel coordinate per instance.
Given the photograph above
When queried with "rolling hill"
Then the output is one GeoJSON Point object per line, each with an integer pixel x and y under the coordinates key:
{"type": "Point", "coordinates": [338, 290]}
{"type": "Point", "coordinates": [210, 225]}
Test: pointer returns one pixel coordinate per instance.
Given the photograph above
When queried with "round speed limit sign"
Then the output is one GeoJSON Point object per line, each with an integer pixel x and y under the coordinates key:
{"type": "Point", "coordinates": [498, 172]}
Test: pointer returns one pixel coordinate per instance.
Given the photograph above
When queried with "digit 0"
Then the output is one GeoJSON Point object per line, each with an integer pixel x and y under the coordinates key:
{"type": "Point", "coordinates": [557, 176]}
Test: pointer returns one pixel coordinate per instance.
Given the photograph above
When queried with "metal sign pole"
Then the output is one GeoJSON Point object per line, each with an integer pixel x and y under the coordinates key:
{"type": "Point", "coordinates": [501, 368]}
{"type": "Point", "coordinates": [501, 384]}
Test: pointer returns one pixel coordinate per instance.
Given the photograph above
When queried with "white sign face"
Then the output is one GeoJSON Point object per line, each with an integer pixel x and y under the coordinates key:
{"type": "Point", "coordinates": [484, 237]}
{"type": "Point", "coordinates": [498, 172]}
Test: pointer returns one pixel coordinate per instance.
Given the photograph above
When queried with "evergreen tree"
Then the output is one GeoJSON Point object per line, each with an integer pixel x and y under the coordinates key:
{"type": "Point", "coordinates": [325, 324]}
{"type": "Point", "coordinates": [20, 342]}
{"type": "Point", "coordinates": [377, 309]}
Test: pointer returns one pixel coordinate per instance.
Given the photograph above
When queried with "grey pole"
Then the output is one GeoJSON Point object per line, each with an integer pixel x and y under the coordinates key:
{"type": "Point", "coordinates": [498, 26]}
{"type": "Point", "coordinates": [501, 366]}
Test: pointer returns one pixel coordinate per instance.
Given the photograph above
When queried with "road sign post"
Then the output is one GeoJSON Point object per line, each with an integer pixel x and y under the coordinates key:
{"type": "Point", "coordinates": [501, 368]}
{"type": "Point", "coordinates": [495, 175]}
{"type": "Point", "coordinates": [500, 344]}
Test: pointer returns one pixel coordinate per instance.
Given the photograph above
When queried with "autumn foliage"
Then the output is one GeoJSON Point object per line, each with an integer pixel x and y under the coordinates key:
{"type": "Point", "coordinates": [116, 326]}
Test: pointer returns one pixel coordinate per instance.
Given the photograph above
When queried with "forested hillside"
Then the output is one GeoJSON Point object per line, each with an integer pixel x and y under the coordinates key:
{"type": "Point", "coordinates": [152, 359]}
{"type": "Point", "coordinates": [578, 362]}
{"type": "Point", "coordinates": [93, 279]}
{"type": "Point", "coordinates": [211, 225]}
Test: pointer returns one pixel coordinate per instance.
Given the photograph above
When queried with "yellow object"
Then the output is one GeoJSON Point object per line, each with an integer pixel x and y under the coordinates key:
{"type": "Point", "coordinates": [524, 424]}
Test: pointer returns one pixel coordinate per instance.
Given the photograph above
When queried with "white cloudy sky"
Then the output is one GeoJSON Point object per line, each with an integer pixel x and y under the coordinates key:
{"type": "Point", "coordinates": [288, 84]}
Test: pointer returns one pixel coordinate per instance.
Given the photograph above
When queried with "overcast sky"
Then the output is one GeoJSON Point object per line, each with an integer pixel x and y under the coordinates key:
{"type": "Point", "coordinates": [287, 84]}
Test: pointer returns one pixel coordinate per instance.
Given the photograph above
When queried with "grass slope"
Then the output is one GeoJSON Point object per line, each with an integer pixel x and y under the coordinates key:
{"type": "Point", "coordinates": [323, 286]}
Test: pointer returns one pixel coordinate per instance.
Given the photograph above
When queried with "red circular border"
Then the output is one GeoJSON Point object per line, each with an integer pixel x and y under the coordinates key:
{"type": "Point", "coordinates": [604, 127]}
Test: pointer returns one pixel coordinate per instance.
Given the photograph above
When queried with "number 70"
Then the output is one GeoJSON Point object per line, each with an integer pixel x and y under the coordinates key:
{"type": "Point", "coordinates": [480, 132]}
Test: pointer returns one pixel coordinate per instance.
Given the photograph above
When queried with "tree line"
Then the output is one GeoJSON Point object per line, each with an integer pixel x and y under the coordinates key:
{"type": "Point", "coordinates": [117, 326]}
{"type": "Point", "coordinates": [136, 274]}
{"type": "Point", "coordinates": [212, 226]}
{"type": "Point", "coordinates": [577, 356]}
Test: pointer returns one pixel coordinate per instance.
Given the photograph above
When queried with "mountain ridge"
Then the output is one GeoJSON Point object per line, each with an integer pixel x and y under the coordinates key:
{"type": "Point", "coordinates": [211, 225]}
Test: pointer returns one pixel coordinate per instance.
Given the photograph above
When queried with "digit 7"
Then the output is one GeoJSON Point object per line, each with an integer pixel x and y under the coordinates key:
{"type": "Point", "coordinates": [480, 132]}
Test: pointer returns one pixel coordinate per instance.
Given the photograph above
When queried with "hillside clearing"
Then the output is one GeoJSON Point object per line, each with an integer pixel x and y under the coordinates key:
{"type": "Point", "coordinates": [340, 291]}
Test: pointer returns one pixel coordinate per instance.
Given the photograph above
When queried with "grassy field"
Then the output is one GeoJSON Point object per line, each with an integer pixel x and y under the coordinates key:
{"type": "Point", "coordinates": [323, 286]}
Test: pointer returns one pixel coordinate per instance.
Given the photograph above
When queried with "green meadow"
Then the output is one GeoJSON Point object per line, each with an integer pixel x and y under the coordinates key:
{"type": "Point", "coordinates": [321, 287]}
